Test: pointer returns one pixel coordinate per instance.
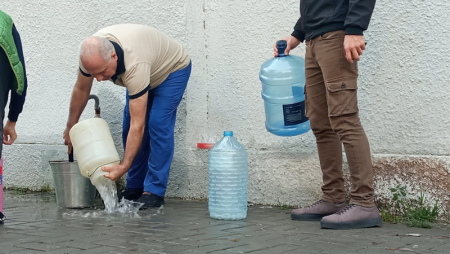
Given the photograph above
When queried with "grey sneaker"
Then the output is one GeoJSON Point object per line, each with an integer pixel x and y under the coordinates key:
{"type": "Point", "coordinates": [316, 211]}
{"type": "Point", "coordinates": [353, 216]}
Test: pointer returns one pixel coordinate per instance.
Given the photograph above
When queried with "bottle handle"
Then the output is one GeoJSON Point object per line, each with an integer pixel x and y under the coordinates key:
{"type": "Point", "coordinates": [71, 155]}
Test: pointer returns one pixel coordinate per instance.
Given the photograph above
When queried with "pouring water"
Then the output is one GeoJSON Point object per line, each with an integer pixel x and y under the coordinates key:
{"type": "Point", "coordinates": [108, 192]}
{"type": "Point", "coordinates": [94, 147]}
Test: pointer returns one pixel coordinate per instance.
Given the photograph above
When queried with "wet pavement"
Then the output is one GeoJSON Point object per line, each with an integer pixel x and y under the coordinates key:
{"type": "Point", "coordinates": [35, 225]}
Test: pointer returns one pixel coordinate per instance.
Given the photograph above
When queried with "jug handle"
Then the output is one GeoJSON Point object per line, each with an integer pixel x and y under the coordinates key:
{"type": "Point", "coordinates": [100, 167]}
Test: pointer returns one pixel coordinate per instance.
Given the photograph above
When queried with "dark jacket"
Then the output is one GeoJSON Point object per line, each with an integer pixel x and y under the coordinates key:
{"type": "Point", "coordinates": [318, 17]}
{"type": "Point", "coordinates": [17, 100]}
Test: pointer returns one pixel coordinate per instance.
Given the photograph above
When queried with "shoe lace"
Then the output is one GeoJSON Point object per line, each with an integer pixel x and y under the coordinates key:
{"type": "Point", "coordinates": [346, 209]}
{"type": "Point", "coordinates": [316, 203]}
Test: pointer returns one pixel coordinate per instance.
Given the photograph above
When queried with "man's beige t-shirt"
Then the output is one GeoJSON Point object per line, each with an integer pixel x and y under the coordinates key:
{"type": "Point", "coordinates": [149, 56]}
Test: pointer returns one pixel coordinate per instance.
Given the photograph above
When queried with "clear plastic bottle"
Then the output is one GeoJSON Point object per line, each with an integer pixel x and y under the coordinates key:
{"type": "Point", "coordinates": [283, 84]}
{"type": "Point", "coordinates": [228, 173]}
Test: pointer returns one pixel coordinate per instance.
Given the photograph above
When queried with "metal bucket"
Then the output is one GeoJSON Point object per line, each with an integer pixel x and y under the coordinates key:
{"type": "Point", "coordinates": [72, 189]}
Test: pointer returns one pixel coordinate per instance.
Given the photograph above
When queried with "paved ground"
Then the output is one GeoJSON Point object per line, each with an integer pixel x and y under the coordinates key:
{"type": "Point", "coordinates": [35, 225]}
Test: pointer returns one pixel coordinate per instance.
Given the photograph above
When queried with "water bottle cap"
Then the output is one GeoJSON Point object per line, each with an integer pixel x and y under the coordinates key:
{"type": "Point", "coordinates": [228, 133]}
{"type": "Point", "coordinates": [281, 46]}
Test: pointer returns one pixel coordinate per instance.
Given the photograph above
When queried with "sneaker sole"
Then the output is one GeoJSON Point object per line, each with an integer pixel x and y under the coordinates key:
{"type": "Point", "coordinates": [149, 207]}
{"type": "Point", "coordinates": [352, 225]}
{"type": "Point", "coordinates": [145, 207]}
{"type": "Point", "coordinates": [308, 217]}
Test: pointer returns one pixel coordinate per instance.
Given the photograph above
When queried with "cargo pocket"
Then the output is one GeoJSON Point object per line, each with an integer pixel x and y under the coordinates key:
{"type": "Point", "coordinates": [342, 98]}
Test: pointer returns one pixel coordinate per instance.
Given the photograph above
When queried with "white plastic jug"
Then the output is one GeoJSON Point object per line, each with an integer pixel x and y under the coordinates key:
{"type": "Point", "coordinates": [93, 147]}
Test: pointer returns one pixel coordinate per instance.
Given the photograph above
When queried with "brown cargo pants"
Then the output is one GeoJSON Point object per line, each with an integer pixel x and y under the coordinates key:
{"type": "Point", "coordinates": [332, 107]}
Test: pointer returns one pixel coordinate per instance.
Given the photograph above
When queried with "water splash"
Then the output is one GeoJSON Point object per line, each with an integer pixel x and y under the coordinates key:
{"type": "Point", "coordinates": [129, 207]}
{"type": "Point", "coordinates": [113, 209]}
{"type": "Point", "coordinates": [108, 192]}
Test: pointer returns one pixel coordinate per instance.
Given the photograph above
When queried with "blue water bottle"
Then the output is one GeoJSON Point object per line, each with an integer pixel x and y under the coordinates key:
{"type": "Point", "coordinates": [283, 84]}
{"type": "Point", "coordinates": [227, 193]}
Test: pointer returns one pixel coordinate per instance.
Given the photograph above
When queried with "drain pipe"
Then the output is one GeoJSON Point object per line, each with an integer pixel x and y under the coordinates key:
{"type": "Point", "coordinates": [97, 104]}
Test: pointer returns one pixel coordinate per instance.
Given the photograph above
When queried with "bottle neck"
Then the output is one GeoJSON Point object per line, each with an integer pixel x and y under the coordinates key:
{"type": "Point", "coordinates": [228, 134]}
{"type": "Point", "coordinates": [281, 51]}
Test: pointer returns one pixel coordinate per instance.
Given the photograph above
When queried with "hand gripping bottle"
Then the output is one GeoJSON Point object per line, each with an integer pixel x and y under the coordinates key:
{"type": "Point", "coordinates": [283, 86]}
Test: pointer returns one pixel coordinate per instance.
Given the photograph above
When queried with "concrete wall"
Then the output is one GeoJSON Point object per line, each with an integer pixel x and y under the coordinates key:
{"type": "Point", "coordinates": [403, 92]}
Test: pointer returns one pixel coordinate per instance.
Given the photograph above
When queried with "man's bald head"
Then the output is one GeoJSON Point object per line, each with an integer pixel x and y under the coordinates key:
{"type": "Point", "coordinates": [96, 46]}
{"type": "Point", "coordinates": [98, 57]}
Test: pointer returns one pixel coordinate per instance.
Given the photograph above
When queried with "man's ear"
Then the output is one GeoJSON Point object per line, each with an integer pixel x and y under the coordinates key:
{"type": "Point", "coordinates": [114, 55]}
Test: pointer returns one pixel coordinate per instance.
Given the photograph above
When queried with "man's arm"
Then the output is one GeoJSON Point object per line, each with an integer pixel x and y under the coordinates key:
{"type": "Point", "coordinates": [358, 16]}
{"type": "Point", "coordinates": [296, 37]}
{"type": "Point", "coordinates": [138, 110]}
{"type": "Point", "coordinates": [292, 41]}
{"type": "Point", "coordinates": [17, 100]}
{"type": "Point", "coordinates": [298, 30]}
{"type": "Point", "coordinates": [80, 96]}
{"type": "Point", "coordinates": [357, 21]}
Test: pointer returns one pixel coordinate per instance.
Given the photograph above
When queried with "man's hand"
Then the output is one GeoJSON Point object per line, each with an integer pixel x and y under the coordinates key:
{"type": "Point", "coordinates": [115, 171]}
{"type": "Point", "coordinates": [292, 43]}
{"type": "Point", "coordinates": [353, 47]}
{"type": "Point", "coordinates": [67, 140]}
{"type": "Point", "coordinates": [9, 133]}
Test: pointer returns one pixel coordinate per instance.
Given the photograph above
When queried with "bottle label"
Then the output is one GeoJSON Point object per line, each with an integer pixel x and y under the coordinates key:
{"type": "Point", "coordinates": [294, 113]}
{"type": "Point", "coordinates": [1, 180]}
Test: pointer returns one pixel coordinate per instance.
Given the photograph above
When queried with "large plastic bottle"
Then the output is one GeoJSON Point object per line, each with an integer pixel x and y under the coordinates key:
{"type": "Point", "coordinates": [283, 83]}
{"type": "Point", "coordinates": [94, 147]}
{"type": "Point", "coordinates": [228, 171]}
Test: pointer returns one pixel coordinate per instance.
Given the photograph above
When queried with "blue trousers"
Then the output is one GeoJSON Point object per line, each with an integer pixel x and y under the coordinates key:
{"type": "Point", "coordinates": [151, 166]}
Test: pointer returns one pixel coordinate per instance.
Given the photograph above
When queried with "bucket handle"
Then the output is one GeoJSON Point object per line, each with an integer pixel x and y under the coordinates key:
{"type": "Point", "coordinates": [71, 155]}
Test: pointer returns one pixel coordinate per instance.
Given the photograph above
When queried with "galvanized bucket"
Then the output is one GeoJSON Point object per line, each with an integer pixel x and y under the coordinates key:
{"type": "Point", "coordinates": [72, 189]}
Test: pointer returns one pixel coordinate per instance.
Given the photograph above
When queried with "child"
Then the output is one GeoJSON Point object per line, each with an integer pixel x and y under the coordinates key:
{"type": "Point", "coordinates": [12, 78]}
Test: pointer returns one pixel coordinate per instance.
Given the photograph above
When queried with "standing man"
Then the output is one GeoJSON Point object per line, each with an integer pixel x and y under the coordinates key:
{"type": "Point", "coordinates": [333, 31]}
{"type": "Point", "coordinates": [12, 78]}
{"type": "Point", "coordinates": [155, 70]}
